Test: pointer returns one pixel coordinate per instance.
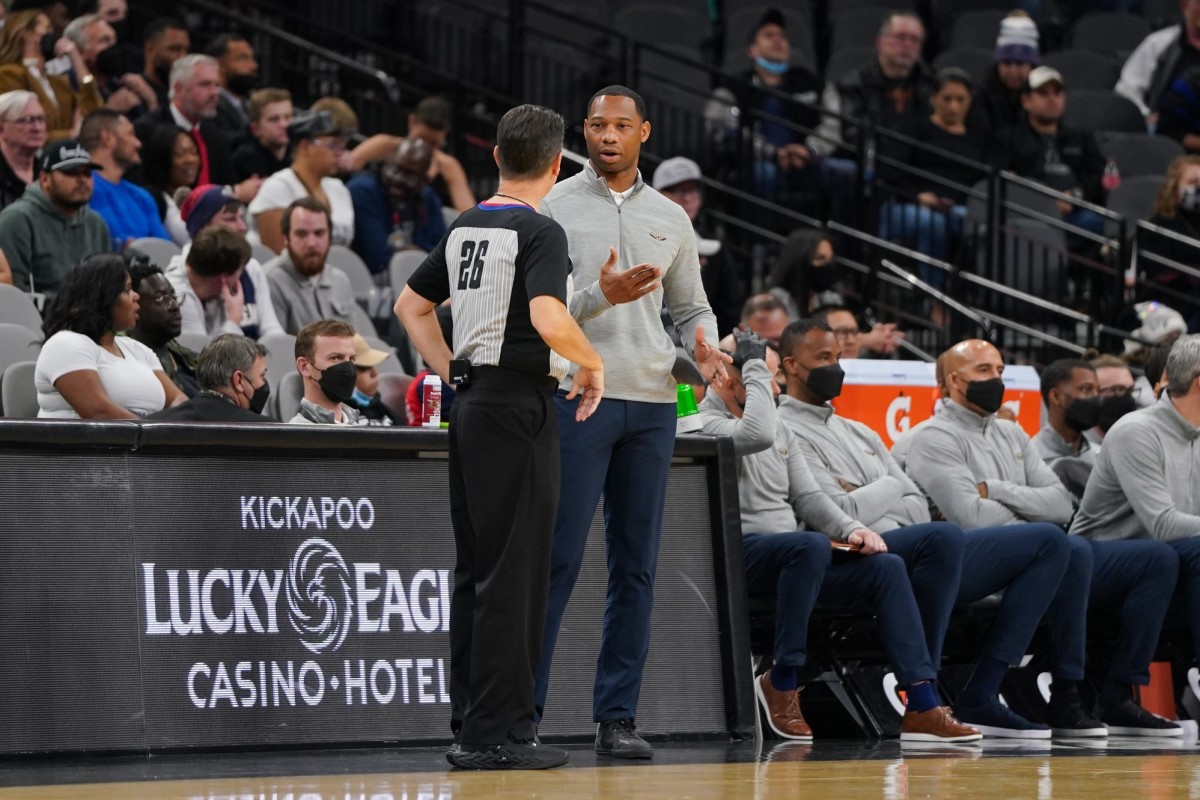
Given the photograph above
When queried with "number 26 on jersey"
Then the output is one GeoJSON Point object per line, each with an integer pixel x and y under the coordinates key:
{"type": "Point", "coordinates": [470, 269]}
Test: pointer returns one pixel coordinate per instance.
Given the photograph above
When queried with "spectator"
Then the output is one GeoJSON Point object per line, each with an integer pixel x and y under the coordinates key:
{"type": "Point", "coordinates": [304, 288]}
{"type": "Point", "coordinates": [325, 360]}
{"type": "Point", "coordinates": [679, 179]}
{"type": "Point", "coordinates": [882, 340]}
{"type": "Point", "coordinates": [212, 207]}
{"type": "Point", "coordinates": [1118, 393]}
{"type": "Point", "coordinates": [998, 103]}
{"type": "Point", "coordinates": [983, 471]}
{"type": "Point", "coordinates": [367, 400]}
{"type": "Point", "coordinates": [159, 324]}
{"type": "Point", "coordinates": [1178, 110]}
{"type": "Point", "coordinates": [806, 271]}
{"type": "Point", "coordinates": [85, 370]}
{"type": "Point", "coordinates": [120, 89]}
{"type": "Point", "coordinates": [1042, 149]}
{"type": "Point", "coordinates": [164, 41]}
{"type": "Point", "coordinates": [128, 209]}
{"type": "Point", "coordinates": [343, 116]}
{"type": "Point", "coordinates": [51, 227]}
{"type": "Point", "coordinates": [1144, 482]}
{"type": "Point", "coordinates": [394, 207]}
{"type": "Point", "coordinates": [210, 287]}
{"type": "Point", "coordinates": [194, 93]}
{"type": "Point", "coordinates": [1161, 58]}
{"type": "Point", "coordinates": [239, 74]}
{"type": "Point", "coordinates": [316, 144]}
{"type": "Point", "coordinates": [928, 212]}
{"type": "Point", "coordinates": [170, 162]}
{"type": "Point", "coordinates": [58, 12]}
{"type": "Point", "coordinates": [412, 396]}
{"type": "Point", "coordinates": [232, 374]}
{"type": "Point", "coordinates": [430, 121]}
{"type": "Point", "coordinates": [23, 66]}
{"type": "Point", "coordinates": [1176, 209]}
{"type": "Point", "coordinates": [892, 91]}
{"type": "Point", "coordinates": [265, 151]}
{"type": "Point", "coordinates": [22, 134]}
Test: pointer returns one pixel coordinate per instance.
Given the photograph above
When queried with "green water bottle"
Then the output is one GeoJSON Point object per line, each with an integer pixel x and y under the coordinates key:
{"type": "Point", "coordinates": [687, 416]}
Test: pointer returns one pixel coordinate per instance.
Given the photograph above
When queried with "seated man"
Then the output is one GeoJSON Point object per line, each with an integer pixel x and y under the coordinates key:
{"type": "Point", "coordinates": [304, 288]}
{"type": "Point", "coordinates": [763, 314]}
{"type": "Point", "coordinates": [159, 324]}
{"type": "Point", "coordinates": [209, 285]}
{"type": "Point", "coordinates": [1069, 390]}
{"type": "Point", "coordinates": [128, 209]}
{"type": "Point", "coordinates": [232, 373]}
{"type": "Point", "coordinates": [265, 152]}
{"type": "Point", "coordinates": [325, 360]}
{"type": "Point", "coordinates": [1118, 392]}
{"type": "Point", "coordinates": [777, 491]}
{"type": "Point", "coordinates": [882, 340]}
{"type": "Point", "coordinates": [854, 468]}
{"type": "Point", "coordinates": [1144, 483]}
{"type": "Point", "coordinates": [981, 470]}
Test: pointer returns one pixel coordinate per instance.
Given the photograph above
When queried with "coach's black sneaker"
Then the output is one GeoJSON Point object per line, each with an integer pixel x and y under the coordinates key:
{"type": "Point", "coordinates": [1067, 719]}
{"type": "Point", "coordinates": [998, 721]}
{"type": "Point", "coordinates": [1127, 718]}
{"type": "Point", "coordinates": [619, 738]}
{"type": "Point", "coordinates": [510, 755]}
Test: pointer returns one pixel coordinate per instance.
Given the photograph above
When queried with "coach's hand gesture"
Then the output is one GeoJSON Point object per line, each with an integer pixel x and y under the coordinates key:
{"type": "Point", "coordinates": [625, 286]}
{"type": "Point", "coordinates": [711, 361]}
{"type": "Point", "coordinates": [589, 386]}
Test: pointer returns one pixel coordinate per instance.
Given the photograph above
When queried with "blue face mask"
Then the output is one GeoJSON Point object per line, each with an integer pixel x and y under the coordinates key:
{"type": "Point", "coordinates": [773, 67]}
{"type": "Point", "coordinates": [360, 399]}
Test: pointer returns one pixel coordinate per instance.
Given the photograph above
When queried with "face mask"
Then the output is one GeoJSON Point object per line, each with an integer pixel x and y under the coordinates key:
{"type": "Point", "coordinates": [773, 67]}
{"type": "Point", "coordinates": [111, 62]}
{"type": "Point", "coordinates": [361, 398]}
{"type": "Point", "coordinates": [822, 278]}
{"type": "Point", "coordinates": [825, 382]}
{"type": "Point", "coordinates": [242, 85]}
{"type": "Point", "coordinates": [162, 72]}
{"type": "Point", "coordinates": [337, 381]}
{"type": "Point", "coordinates": [1083, 413]}
{"type": "Point", "coordinates": [48, 42]}
{"type": "Point", "coordinates": [258, 400]}
{"type": "Point", "coordinates": [121, 29]}
{"type": "Point", "coordinates": [987, 395]}
{"type": "Point", "coordinates": [1189, 200]}
{"type": "Point", "coordinates": [1113, 408]}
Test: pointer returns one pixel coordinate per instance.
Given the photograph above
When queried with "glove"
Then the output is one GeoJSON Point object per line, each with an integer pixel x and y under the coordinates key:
{"type": "Point", "coordinates": [749, 347]}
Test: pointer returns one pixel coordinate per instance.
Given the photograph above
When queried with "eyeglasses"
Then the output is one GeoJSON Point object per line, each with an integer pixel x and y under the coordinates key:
{"type": "Point", "coordinates": [164, 299]}
{"type": "Point", "coordinates": [846, 333]}
{"type": "Point", "coordinates": [1121, 391]}
{"type": "Point", "coordinates": [332, 144]}
{"type": "Point", "coordinates": [29, 120]}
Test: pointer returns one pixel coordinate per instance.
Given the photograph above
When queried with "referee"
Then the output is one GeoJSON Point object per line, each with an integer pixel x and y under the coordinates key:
{"type": "Point", "coordinates": [506, 270]}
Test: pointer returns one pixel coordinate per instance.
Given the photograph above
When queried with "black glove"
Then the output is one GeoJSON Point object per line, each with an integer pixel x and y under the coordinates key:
{"type": "Point", "coordinates": [749, 347]}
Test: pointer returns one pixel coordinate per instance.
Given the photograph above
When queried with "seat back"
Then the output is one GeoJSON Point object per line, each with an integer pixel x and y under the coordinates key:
{"type": "Point", "coordinates": [159, 251]}
{"type": "Point", "coordinates": [18, 343]}
{"type": "Point", "coordinates": [355, 268]}
{"type": "Point", "coordinates": [18, 396]}
{"type": "Point", "coordinates": [17, 308]}
{"type": "Point", "coordinates": [291, 391]}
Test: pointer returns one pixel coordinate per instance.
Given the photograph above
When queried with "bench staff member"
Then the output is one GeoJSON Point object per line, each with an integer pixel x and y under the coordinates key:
{"type": "Point", "coordinates": [506, 270]}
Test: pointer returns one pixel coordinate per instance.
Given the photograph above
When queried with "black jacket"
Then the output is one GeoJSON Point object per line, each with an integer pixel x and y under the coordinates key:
{"type": "Point", "coordinates": [797, 83]}
{"type": "Point", "coordinates": [216, 141]}
{"type": "Point", "coordinates": [995, 107]}
{"type": "Point", "coordinates": [209, 408]}
{"type": "Point", "coordinates": [1022, 150]}
{"type": "Point", "coordinates": [251, 158]}
{"type": "Point", "coordinates": [864, 96]}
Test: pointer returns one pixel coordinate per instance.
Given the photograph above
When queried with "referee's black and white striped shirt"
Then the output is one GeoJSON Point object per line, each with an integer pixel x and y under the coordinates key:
{"type": "Point", "coordinates": [490, 263]}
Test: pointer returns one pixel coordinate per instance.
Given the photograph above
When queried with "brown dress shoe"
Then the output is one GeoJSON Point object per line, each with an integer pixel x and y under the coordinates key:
{"type": "Point", "coordinates": [783, 709]}
{"type": "Point", "coordinates": [936, 725]}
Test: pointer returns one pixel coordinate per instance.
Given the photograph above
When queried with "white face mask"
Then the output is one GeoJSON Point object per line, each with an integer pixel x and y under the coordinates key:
{"type": "Point", "coordinates": [1189, 198]}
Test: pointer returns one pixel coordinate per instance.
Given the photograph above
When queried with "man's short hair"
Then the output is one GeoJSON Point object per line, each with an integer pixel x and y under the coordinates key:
{"type": "Point", "coordinates": [528, 140]}
{"type": "Point", "coordinates": [218, 250]}
{"type": "Point", "coordinates": [617, 90]}
{"type": "Point", "coordinates": [306, 339]}
{"type": "Point", "coordinates": [12, 104]}
{"type": "Point", "coordinates": [155, 30]}
{"type": "Point", "coordinates": [433, 113]}
{"type": "Point", "coordinates": [141, 270]}
{"type": "Point", "coordinates": [795, 332]}
{"type": "Point", "coordinates": [96, 122]}
{"type": "Point", "coordinates": [183, 69]}
{"type": "Point", "coordinates": [1108, 360]}
{"type": "Point", "coordinates": [75, 29]}
{"type": "Point", "coordinates": [308, 203]}
{"type": "Point", "coordinates": [1059, 372]}
{"type": "Point", "coordinates": [220, 45]}
{"type": "Point", "coordinates": [1183, 365]}
{"type": "Point", "coordinates": [822, 312]}
{"type": "Point", "coordinates": [891, 18]}
{"type": "Point", "coordinates": [225, 355]}
{"type": "Point", "coordinates": [256, 106]}
{"type": "Point", "coordinates": [1156, 363]}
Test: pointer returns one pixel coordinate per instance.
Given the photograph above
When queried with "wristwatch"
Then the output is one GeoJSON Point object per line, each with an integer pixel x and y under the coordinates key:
{"type": "Point", "coordinates": [87, 80]}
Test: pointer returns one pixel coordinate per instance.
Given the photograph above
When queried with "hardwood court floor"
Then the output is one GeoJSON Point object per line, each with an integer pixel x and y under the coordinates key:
{"type": "Point", "coordinates": [830, 771]}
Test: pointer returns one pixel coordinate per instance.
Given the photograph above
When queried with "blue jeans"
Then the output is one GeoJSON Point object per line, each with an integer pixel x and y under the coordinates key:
{"type": "Point", "coordinates": [925, 230]}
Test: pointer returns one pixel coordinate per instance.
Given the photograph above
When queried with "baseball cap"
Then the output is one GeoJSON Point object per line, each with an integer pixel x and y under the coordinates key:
{"type": "Point", "coordinates": [202, 204]}
{"type": "Point", "coordinates": [310, 125]}
{"type": "Point", "coordinates": [675, 171]}
{"type": "Point", "coordinates": [1040, 76]}
{"type": "Point", "coordinates": [64, 154]}
{"type": "Point", "coordinates": [771, 16]}
{"type": "Point", "coordinates": [365, 355]}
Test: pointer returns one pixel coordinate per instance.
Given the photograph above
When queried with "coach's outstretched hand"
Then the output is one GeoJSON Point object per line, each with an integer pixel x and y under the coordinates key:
{"type": "Point", "coordinates": [711, 361]}
{"type": "Point", "coordinates": [625, 286]}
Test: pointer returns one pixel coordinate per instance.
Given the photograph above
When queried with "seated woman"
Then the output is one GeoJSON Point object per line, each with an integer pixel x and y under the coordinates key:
{"type": "Point", "coordinates": [25, 43]}
{"type": "Point", "coordinates": [804, 275]}
{"type": "Point", "coordinates": [317, 144]}
{"type": "Point", "coordinates": [1176, 209]}
{"type": "Point", "coordinates": [86, 370]}
{"type": "Point", "coordinates": [927, 213]}
{"type": "Point", "coordinates": [170, 162]}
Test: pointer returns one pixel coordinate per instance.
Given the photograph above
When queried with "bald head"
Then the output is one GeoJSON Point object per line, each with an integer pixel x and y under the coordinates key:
{"type": "Point", "coordinates": [405, 171]}
{"type": "Point", "coordinates": [971, 361]}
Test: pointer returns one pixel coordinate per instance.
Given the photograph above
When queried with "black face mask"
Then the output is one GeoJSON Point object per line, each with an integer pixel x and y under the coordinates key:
{"type": "Point", "coordinates": [825, 382]}
{"type": "Point", "coordinates": [111, 62]}
{"type": "Point", "coordinates": [821, 278]}
{"type": "Point", "coordinates": [121, 29]}
{"type": "Point", "coordinates": [1083, 413]}
{"type": "Point", "coordinates": [242, 85]}
{"type": "Point", "coordinates": [988, 395]}
{"type": "Point", "coordinates": [162, 73]}
{"type": "Point", "coordinates": [48, 42]}
{"type": "Point", "coordinates": [1113, 408]}
{"type": "Point", "coordinates": [258, 400]}
{"type": "Point", "coordinates": [338, 381]}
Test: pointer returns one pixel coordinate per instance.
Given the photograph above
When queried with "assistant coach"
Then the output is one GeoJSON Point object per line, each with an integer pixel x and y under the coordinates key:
{"type": "Point", "coordinates": [506, 270]}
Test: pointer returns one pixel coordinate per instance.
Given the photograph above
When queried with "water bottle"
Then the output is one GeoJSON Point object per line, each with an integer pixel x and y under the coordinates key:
{"type": "Point", "coordinates": [687, 415]}
{"type": "Point", "coordinates": [431, 401]}
{"type": "Point", "coordinates": [1112, 176]}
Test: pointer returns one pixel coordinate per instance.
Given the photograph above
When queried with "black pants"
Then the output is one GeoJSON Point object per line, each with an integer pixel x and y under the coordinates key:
{"type": "Point", "coordinates": [504, 481]}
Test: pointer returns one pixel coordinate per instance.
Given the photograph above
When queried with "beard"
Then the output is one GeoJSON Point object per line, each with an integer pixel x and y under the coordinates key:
{"type": "Point", "coordinates": [309, 264]}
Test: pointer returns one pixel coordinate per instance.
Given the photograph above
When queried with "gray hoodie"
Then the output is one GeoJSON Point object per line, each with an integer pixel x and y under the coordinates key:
{"type": "Point", "coordinates": [1146, 479]}
{"type": "Point", "coordinates": [646, 228]}
{"type": "Point", "coordinates": [41, 244]}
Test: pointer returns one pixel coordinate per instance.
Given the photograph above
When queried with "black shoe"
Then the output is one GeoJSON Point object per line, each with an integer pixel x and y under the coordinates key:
{"type": "Point", "coordinates": [1130, 719]}
{"type": "Point", "coordinates": [1066, 718]}
{"type": "Point", "coordinates": [619, 738]}
{"type": "Point", "coordinates": [510, 755]}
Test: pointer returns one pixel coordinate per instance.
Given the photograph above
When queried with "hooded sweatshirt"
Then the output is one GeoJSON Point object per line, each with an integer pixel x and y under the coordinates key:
{"type": "Point", "coordinates": [41, 244]}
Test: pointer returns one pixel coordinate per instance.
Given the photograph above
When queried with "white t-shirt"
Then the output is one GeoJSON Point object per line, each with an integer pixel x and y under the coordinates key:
{"type": "Point", "coordinates": [283, 188]}
{"type": "Point", "coordinates": [174, 222]}
{"type": "Point", "coordinates": [129, 382]}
